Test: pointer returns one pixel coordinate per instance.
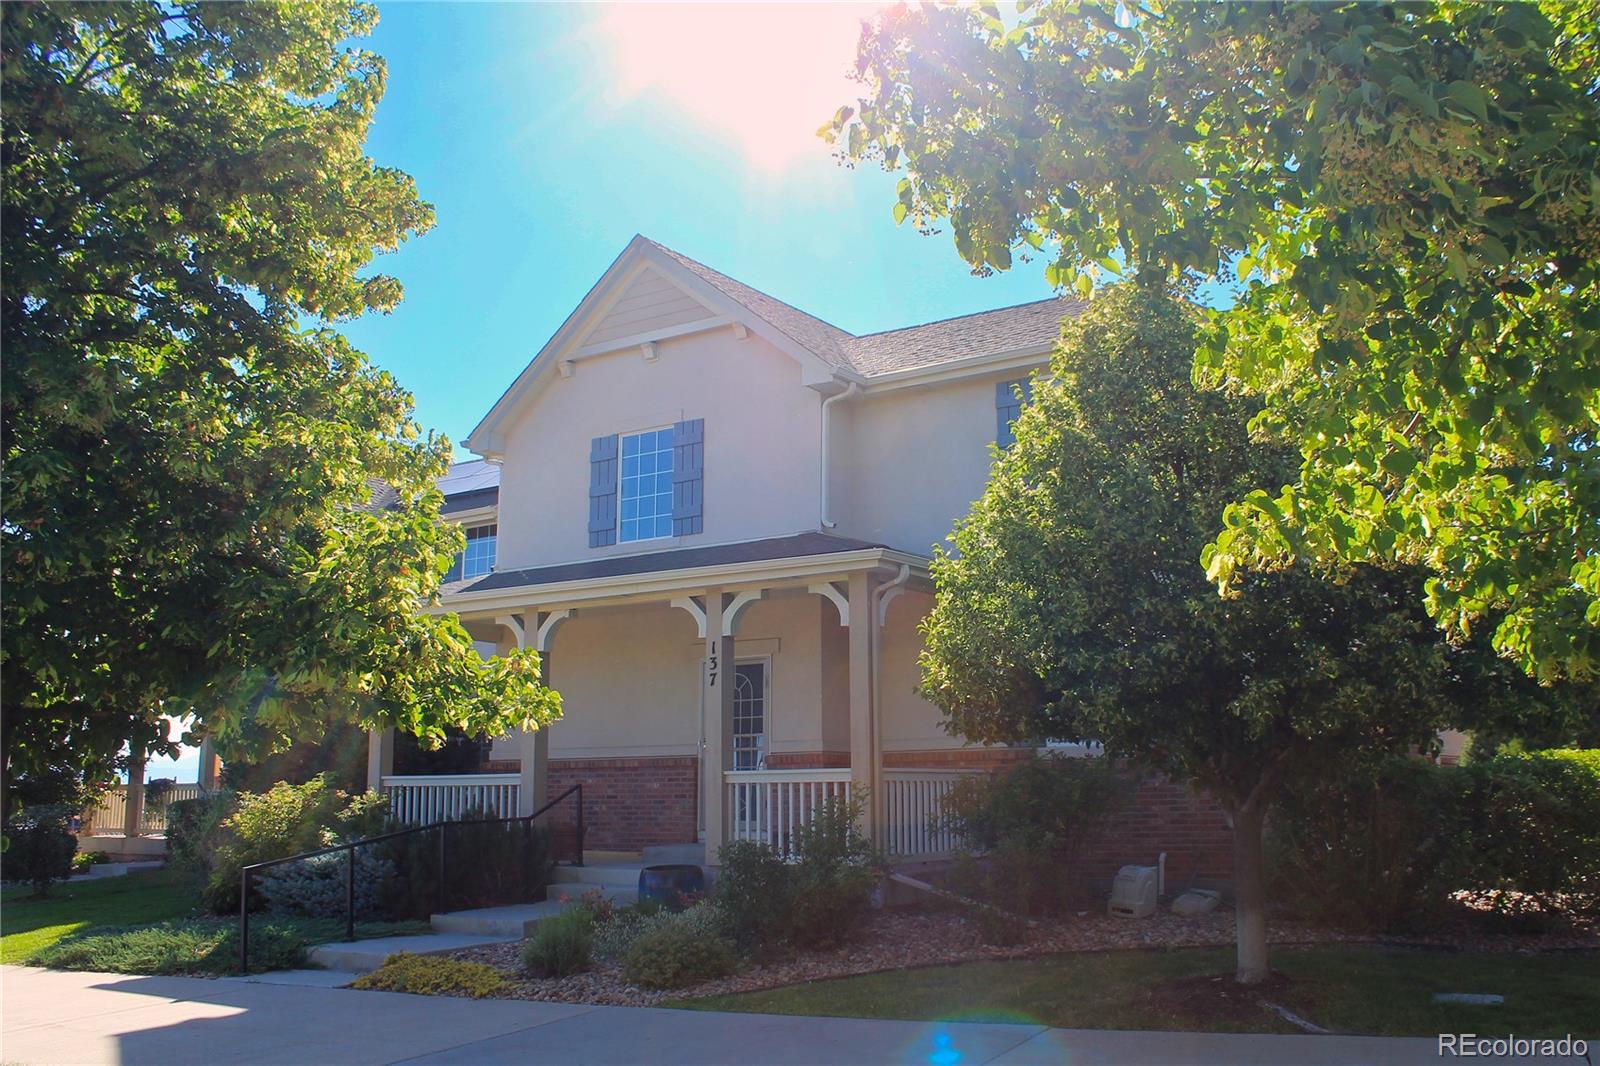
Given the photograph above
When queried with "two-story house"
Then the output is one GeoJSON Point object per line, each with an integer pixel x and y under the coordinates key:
{"type": "Point", "coordinates": [712, 514]}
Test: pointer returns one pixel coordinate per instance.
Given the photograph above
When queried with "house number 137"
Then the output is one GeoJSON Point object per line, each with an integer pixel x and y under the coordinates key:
{"type": "Point", "coordinates": [711, 667]}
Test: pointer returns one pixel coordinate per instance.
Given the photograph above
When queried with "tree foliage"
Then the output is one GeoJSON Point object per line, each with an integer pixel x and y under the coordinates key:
{"type": "Point", "coordinates": [188, 445]}
{"type": "Point", "coordinates": [1072, 607]}
{"type": "Point", "coordinates": [1409, 197]}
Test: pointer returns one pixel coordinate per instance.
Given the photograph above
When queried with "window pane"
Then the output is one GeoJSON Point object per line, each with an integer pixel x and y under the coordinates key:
{"type": "Point", "coordinates": [645, 486]}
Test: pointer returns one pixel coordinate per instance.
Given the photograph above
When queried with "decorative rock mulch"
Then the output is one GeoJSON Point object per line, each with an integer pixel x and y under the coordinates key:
{"type": "Point", "coordinates": [893, 940]}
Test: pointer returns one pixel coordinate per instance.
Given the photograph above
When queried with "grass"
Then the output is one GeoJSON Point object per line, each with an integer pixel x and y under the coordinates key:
{"type": "Point", "coordinates": [1347, 989]}
{"type": "Point", "coordinates": [32, 925]}
{"type": "Point", "coordinates": [147, 923]}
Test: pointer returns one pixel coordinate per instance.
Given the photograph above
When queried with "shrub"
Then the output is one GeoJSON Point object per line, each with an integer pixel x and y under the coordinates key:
{"type": "Point", "coordinates": [1385, 846]}
{"type": "Point", "coordinates": [752, 888]}
{"type": "Point", "coordinates": [486, 865]}
{"type": "Point", "coordinates": [676, 955]}
{"type": "Point", "coordinates": [318, 888]}
{"type": "Point", "coordinates": [813, 901]}
{"type": "Point", "coordinates": [1032, 819]}
{"type": "Point", "coordinates": [1533, 830]}
{"type": "Point", "coordinates": [560, 945]}
{"type": "Point", "coordinates": [39, 847]}
{"type": "Point", "coordinates": [832, 877]}
{"type": "Point", "coordinates": [282, 821]}
{"type": "Point", "coordinates": [192, 830]}
{"type": "Point", "coordinates": [429, 975]}
{"type": "Point", "coordinates": [616, 935]}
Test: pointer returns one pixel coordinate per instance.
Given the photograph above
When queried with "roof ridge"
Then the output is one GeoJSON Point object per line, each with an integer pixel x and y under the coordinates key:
{"type": "Point", "coordinates": [969, 314]}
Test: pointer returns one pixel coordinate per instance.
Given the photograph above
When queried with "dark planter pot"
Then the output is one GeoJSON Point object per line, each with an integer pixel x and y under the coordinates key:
{"type": "Point", "coordinates": [669, 884]}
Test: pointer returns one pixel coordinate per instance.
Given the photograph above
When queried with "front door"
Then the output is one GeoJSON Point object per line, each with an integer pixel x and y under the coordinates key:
{"type": "Point", "coordinates": [750, 716]}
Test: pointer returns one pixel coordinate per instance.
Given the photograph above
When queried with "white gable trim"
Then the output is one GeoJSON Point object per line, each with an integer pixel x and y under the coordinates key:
{"type": "Point", "coordinates": [562, 351]}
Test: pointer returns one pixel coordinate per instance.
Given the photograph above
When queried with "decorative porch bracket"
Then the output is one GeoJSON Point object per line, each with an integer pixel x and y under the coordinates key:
{"type": "Point", "coordinates": [830, 591]}
{"type": "Point", "coordinates": [695, 605]}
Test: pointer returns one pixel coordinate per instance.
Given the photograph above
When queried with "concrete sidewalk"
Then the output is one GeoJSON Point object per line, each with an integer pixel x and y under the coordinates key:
{"type": "Point", "coordinates": [53, 1017]}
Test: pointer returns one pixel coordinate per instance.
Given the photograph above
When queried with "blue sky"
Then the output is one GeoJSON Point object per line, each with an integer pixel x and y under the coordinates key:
{"type": "Point", "coordinates": [546, 136]}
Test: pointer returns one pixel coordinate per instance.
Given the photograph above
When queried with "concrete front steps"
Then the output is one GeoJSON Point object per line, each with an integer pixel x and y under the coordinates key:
{"type": "Point", "coordinates": [614, 876]}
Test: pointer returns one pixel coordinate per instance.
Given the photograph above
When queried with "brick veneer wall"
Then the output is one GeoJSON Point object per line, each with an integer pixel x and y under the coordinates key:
{"type": "Point", "coordinates": [1162, 816]}
{"type": "Point", "coordinates": [1165, 816]}
{"type": "Point", "coordinates": [629, 804]}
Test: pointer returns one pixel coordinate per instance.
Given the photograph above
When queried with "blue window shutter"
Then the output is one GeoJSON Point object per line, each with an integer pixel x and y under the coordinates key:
{"type": "Point", "coordinates": [1008, 406]}
{"type": "Point", "coordinates": [603, 491]}
{"type": "Point", "coordinates": [688, 477]}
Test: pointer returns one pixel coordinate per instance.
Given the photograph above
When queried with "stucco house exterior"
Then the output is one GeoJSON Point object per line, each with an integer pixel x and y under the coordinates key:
{"type": "Point", "coordinates": [712, 514]}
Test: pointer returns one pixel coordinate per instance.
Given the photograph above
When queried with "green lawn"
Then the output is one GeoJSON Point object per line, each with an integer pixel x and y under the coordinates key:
{"type": "Point", "coordinates": [1346, 989]}
{"type": "Point", "coordinates": [31, 925]}
{"type": "Point", "coordinates": [149, 923]}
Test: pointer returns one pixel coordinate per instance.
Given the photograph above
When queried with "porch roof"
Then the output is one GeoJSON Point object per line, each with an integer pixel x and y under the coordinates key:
{"type": "Point", "coordinates": [798, 545]}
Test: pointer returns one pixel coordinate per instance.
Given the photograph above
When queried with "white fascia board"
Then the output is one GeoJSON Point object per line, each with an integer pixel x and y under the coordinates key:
{"type": "Point", "coordinates": [727, 575]}
{"type": "Point", "coordinates": [477, 516]}
{"type": "Point", "coordinates": [1017, 359]}
{"type": "Point", "coordinates": [703, 325]}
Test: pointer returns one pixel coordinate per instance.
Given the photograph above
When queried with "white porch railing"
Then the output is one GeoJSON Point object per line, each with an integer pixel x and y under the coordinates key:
{"type": "Point", "coordinates": [419, 799]}
{"type": "Point", "coordinates": [912, 812]}
{"type": "Point", "coordinates": [767, 806]}
{"type": "Point", "coordinates": [109, 817]}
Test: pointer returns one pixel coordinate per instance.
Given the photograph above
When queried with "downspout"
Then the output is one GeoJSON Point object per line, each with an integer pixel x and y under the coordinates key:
{"type": "Point", "coordinates": [827, 520]}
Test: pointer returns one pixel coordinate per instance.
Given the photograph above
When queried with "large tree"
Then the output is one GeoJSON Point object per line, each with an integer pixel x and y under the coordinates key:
{"type": "Point", "coordinates": [1410, 194]}
{"type": "Point", "coordinates": [1072, 607]}
{"type": "Point", "coordinates": [189, 448]}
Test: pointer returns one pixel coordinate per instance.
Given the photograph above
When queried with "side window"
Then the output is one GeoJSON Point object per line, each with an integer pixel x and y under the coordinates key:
{"type": "Point", "coordinates": [478, 557]}
{"type": "Point", "coordinates": [1009, 396]}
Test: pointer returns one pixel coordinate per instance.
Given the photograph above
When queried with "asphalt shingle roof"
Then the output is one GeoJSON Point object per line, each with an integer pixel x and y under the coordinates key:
{"type": "Point", "coordinates": [795, 546]}
{"type": "Point", "coordinates": [1005, 329]}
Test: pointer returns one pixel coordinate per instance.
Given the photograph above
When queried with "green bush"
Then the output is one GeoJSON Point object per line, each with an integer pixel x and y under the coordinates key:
{"type": "Point", "coordinates": [1384, 847]}
{"type": "Point", "coordinates": [1032, 819]}
{"type": "Point", "coordinates": [677, 954]}
{"type": "Point", "coordinates": [282, 821]}
{"type": "Point", "coordinates": [813, 901]}
{"type": "Point", "coordinates": [1532, 830]}
{"type": "Point", "coordinates": [486, 865]}
{"type": "Point", "coordinates": [429, 975]}
{"type": "Point", "coordinates": [560, 945]}
{"type": "Point", "coordinates": [752, 888]}
{"type": "Point", "coordinates": [39, 846]}
{"type": "Point", "coordinates": [617, 933]}
{"type": "Point", "coordinates": [193, 826]}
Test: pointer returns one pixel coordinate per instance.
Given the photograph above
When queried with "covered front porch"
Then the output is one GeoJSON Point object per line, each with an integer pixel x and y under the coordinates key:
{"type": "Point", "coordinates": [711, 695]}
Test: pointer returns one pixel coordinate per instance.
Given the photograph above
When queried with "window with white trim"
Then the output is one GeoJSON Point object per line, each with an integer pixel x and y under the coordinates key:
{"type": "Point", "coordinates": [646, 485]}
{"type": "Point", "coordinates": [478, 557]}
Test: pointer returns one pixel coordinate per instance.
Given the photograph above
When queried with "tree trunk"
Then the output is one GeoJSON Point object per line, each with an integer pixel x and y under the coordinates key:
{"type": "Point", "coordinates": [1250, 895]}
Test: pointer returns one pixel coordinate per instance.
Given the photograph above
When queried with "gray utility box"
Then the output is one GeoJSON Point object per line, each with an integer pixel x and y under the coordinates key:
{"type": "Point", "coordinates": [1133, 893]}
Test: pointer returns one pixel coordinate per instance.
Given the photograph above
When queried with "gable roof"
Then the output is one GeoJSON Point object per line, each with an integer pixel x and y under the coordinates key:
{"type": "Point", "coordinates": [825, 351]}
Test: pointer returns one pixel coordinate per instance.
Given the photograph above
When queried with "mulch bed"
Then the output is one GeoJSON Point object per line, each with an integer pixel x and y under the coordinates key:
{"type": "Point", "coordinates": [900, 939]}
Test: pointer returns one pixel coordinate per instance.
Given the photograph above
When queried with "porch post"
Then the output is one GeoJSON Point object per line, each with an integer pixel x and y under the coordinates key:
{"type": "Point", "coordinates": [210, 775]}
{"type": "Point", "coordinates": [865, 773]}
{"type": "Point", "coordinates": [716, 703]}
{"type": "Point", "coordinates": [133, 810]}
{"type": "Point", "coordinates": [533, 746]}
{"type": "Point", "coordinates": [380, 758]}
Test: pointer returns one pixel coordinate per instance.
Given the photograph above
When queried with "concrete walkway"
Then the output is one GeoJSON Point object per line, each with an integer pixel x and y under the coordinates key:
{"type": "Point", "coordinates": [51, 1017]}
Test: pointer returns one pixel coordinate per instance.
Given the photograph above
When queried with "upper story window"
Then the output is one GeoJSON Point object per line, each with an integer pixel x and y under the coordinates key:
{"type": "Point", "coordinates": [646, 485]}
{"type": "Point", "coordinates": [478, 558]}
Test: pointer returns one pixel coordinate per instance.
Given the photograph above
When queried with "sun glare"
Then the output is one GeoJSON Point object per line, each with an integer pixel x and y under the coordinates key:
{"type": "Point", "coordinates": [764, 75]}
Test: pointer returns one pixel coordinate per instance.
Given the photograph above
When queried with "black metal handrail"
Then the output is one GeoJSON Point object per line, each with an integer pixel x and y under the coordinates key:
{"type": "Point", "coordinates": [247, 872]}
